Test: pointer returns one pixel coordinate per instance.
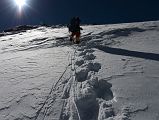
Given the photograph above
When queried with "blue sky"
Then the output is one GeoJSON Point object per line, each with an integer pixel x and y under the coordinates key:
{"type": "Point", "coordinates": [90, 11]}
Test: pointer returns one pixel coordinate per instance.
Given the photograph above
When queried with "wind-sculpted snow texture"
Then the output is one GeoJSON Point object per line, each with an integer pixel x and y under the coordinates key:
{"type": "Point", "coordinates": [111, 75]}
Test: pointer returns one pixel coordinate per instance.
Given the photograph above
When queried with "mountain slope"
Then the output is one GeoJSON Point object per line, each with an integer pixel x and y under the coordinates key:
{"type": "Point", "coordinates": [111, 74]}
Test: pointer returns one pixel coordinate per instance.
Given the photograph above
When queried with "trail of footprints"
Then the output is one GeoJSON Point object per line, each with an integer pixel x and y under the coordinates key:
{"type": "Point", "coordinates": [79, 94]}
{"type": "Point", "coordinates": [86, 97]}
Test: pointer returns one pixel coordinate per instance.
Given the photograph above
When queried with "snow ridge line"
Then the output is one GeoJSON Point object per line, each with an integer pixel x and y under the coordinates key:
{"type": "Point", "coordinates": [52, 90]}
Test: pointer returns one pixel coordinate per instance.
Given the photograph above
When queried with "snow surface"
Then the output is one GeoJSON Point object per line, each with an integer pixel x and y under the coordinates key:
{"type": "Point", "coordinates": [111, 75]}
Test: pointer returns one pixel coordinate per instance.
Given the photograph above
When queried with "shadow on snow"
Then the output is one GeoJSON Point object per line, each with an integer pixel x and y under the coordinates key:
{"type": "Point", "coordinates": [124, 52]}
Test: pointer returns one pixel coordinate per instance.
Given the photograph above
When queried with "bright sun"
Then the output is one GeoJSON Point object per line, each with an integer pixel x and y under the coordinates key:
{"type": "Point", "coordinates": [20, 3]}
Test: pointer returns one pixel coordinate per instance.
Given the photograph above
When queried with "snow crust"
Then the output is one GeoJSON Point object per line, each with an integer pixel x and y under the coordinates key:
{"type": "Point", "coordinates": [111, 75]}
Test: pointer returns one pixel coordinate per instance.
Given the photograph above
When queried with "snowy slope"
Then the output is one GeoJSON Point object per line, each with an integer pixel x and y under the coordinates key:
{"type": "Point", "coordinates": [111, 75]}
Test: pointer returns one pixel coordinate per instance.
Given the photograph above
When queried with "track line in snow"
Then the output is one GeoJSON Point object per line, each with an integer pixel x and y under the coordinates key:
{"type": "Point", "coordinates": [51, 92]}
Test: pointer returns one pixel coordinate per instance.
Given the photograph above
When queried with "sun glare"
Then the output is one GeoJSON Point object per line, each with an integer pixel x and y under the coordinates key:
{"type": "Point", "coordinates": [20, 3]}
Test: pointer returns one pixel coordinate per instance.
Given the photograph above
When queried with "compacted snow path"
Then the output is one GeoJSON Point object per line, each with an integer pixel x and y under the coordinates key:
{"type": "Point", "coordinates": [84, 90]}
{"type": "Point", "coordinates": [111, 75]}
